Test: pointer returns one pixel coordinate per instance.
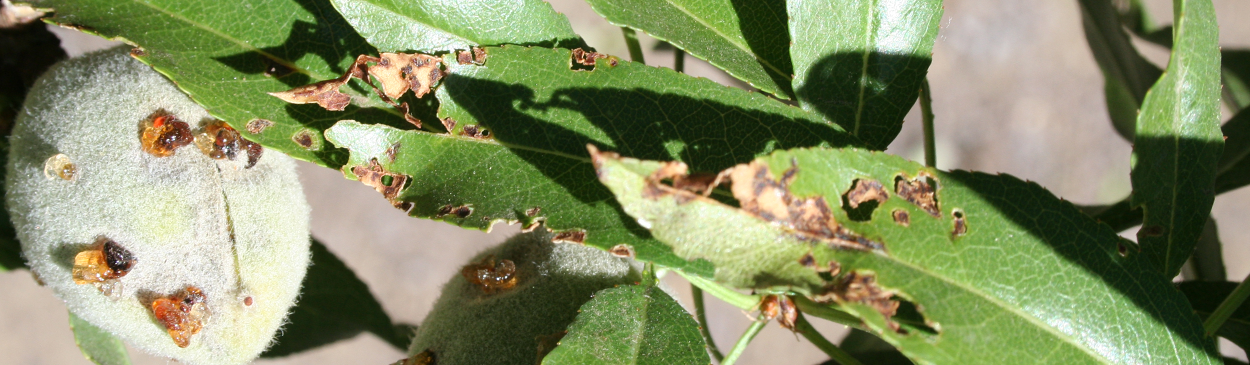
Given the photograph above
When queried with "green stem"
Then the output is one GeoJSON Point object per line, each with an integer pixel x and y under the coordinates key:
{"type": "Point", "coordinates": [824, 311]}
{"type": "Point", "coordinates": [926, 118]}
{"type": "Point", "coordinates": [631, 40]}
{"type": "Point", "coordinates": [837, 354]}
{"type": "Point", "coordinates": [741, 346]}
{"type": "Point", "coordinates": [701, 315]}
{"type": "Point", "coordinates": [679, 59]}
{"type": "Point", "coordinates": [734, 298]}
{"type": "Point", "coordinates": [1226, 309]}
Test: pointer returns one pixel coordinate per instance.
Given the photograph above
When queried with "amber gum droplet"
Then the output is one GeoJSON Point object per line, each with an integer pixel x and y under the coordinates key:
{"type": "Point", "coordinates": [59, 166]}
{"type": "Point", "coordinates": [183, 314]}
{"type": "Point", "coordinates": [104, 261]}
{"type": "Point", "coordinates": [163, 133]}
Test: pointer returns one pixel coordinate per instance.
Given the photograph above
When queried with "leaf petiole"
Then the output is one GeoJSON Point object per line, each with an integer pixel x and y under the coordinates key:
{"type": "Point", "coordinates": [803, 327]}
{"type": "Point", "coordinates": [1226, 308]}
{"type": "Point", "coordinates": [746, 338]}
{"type": "Point", "coordinates": [700, 315]}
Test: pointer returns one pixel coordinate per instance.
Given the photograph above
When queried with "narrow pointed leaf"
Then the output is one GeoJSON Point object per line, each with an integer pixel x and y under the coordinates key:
{"type": "Point", "coordinates": [1005, 271]}
{"type": "Point", "coordinates": [747, 39]}
{"type": "Point", "coordinates": [637, 324]}
{"type": "Point", "coordinates": [1178, 144]}
{"type": "Point", "coordinates": [227, 54]}
{"type": "Point", "coordinates": [444, 25]}
{"type": "Point", "coordinates": [1127, 76]}
{"type": "Point", "coordinates": [98, 345]}
{"type": "Point", "coordinates": [861, 63]}
{"type": "Point", "coordinates": [1236, 74]}
{"type": "Point", "coordinates": [1206, 296]}
{"type": "Point", "coordinates": [1208, 260]}
{"type": "Point", "coordinates": [333, 305]}
{"type": "Point", "coordinates": [531, 118]}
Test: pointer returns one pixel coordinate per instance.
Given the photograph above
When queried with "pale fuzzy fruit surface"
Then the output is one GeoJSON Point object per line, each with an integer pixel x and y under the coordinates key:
{"type": "Point", "coordinates": [189, 220]}
{"type": "Point", "coordinates": [469, 327]}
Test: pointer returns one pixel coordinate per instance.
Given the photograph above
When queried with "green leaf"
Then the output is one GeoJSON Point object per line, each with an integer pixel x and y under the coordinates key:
{"type": "Point", "coordinates": [334, 305]}
{"type": "Point", "coordinates": [430, 26]}
{"type": "Point", "coordinates": [862, 63]}
{"type": "Point", "coordinates": [1205, 296]}
{"type": "Point", "coordinates": [747, 39]}
{"type": "Point", "coordinates": [1127, 75]}
{"type": "Point", "coordinates": [540, 115]}
{"type": "Point", "coordinates": [636, 324]}
{"type": "Point", "coordinates": [1236, 73]}
{"type": "Point", "coordinates": [96, 344]}
{"type": "Point", "coordinates": [1178, 144]}
{"type": "Point", "coordinates": [1207, 263]}
{"type": "Point", "coordinates": [222, 54]}
{"type": "Point", "coordinates": [1020, 282]}
{"type": "Point", "coordinates": [870, 349]}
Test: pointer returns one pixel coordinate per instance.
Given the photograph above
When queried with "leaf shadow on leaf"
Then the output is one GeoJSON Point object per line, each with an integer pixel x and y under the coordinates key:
{"type": "Point", "coordinates": [765, 26]}
{"type": "Point", "coordinates": [334, 305]}
{"type": "Point", "coordinates": [305, 38]}
{"type": "Point", "coordinates": [841, 87]}
{"type": "Point", "coordinates": [1134, 276]}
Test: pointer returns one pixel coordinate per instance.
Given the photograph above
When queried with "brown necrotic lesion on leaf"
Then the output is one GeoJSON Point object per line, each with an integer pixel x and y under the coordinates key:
{"type": "Point", "coordinates": [622, 250]}
{"type": "Point", "coordinates": [256, 126]}
{"type": "Point", "coordinates": [864, 190]}
{"type": "Point", "coordinates": [387, 183]}
{"type": "Point", "coordinates": [474, 131]}
{"type": "Point", "coordinates": [324, 93]}
{"type": "Point", "coordinates": [397, 73]}
{"type": "Point", "coordinates": [960, 224]}
{"type": "Point", "coordinates": [862, 288]}
{"type": "Point", "coordinates": [575, 236]}
{"type": "Point", "coordinates": [921, 191]}
{"type": "Point", "coordinates": [463, 211]}
{"type": "Point", "coordinates": [583, 60]}
{"type": "Point", "coordinates": [902, 217]}
{"type": "Point", "coordinates": [183, 314]}
{"type": "Point", "coordinates": [491, 276]}
{"type": "Point", "coordinates": [474, 56]}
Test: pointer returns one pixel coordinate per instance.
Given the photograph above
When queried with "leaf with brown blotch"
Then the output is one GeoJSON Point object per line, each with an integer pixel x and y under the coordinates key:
{"type": "Point", "coordinates": [324, 93]}
{"type": "Point", "coordinates": [400, 72]}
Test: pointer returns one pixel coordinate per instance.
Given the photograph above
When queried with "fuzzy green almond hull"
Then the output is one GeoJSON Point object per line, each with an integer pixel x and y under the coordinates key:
{"type": "Point", "coordinates": [238, 234]}
{"type": "Point", "coordinates": [997, 270]}
{"type": "Point", "coordinates": [470, 325]}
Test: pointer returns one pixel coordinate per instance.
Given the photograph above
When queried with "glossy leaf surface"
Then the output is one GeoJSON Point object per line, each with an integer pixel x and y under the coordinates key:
{"type": "Point", "coordinates": [1178, 143]}
{"type": "Point", "coordinates": [861, 63]}
{"type": "Point", "coordinates": [747, 39]}
{"type": "Point", "coordinates": [1025, 270]}
{"type": "Point", "coordinates": [445, 25]}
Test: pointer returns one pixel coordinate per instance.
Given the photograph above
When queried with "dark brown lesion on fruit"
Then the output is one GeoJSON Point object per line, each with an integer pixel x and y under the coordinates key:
{"type": "Point", "coordinates": [960, 224]}
{"type": "Point", "coordinates": [862, 288]}
{"type": "Point", "coordinates": [491, 276]}
{"type": "Point", "coordinates": [387, 183]}
{"type": "Point", "coordinates": [575, 236]}
{"type": "Point", "coordinates": [221, 142]}
{"type": "Point", "coordinates": [921, 191]}
{"type": "Point", "coordinates": [423, 358]}
{"type": "Point", "coordinates": [183, 314]}
{"type": "Point", "coordinates": [463, 211]}
{"type": "Point", "coordinates": [101, 264]}
{"type": "Point", "coordinates": [163, 133]}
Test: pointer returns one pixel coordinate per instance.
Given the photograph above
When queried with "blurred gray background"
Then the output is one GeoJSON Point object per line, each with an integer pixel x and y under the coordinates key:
{"type": "Point", "coordinates": [1015, 87]}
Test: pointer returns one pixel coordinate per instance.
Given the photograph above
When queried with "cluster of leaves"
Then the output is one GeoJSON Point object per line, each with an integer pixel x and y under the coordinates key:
{"type": "Point", "coordinates": [944, 267]}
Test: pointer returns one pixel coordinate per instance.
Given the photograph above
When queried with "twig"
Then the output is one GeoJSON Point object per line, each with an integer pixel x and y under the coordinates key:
{"type": "Point", "coordinates": [837, 354]}
{"type": "Point", "coordinates": [701, 315]}
{"type": "Point", "coordinates": [926, 118]}
{"type": "Point", "coordinates": [631, 40]}
{"type": "Point", "coordinates": [1226, 309]}
{"type": "Point", "coordinates": [741, 346]}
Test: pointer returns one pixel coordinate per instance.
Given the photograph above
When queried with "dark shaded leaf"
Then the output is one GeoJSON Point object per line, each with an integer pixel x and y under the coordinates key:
{"type": "Point", "coordinates": [1205, 296]}
{"type": "Point", "coordinates": [1236, 77]}
{"type": "Point", "coordinates": [96, 344]}
{"type": "Point", "coordinates": [1127, 76]}
{"type": "Point", "coordinates": [517, 149]}
{"type": "Point", "coordinates": [430, 26]}
{"type": "Point", "coordinates": [1004, 271]}
{"type": "Point", "coordinates": [637, 324]}
{"type": "Point", "coordinates": [1178, 143]}
{"type": "Point", "coordinates": [861, 63]}
{"type": "Point", "coordinates": [334, 305]}
{"type": "Point", "coordinates": [1207, 263]}
{"type": "Point", "coordinates": [746, 38]}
